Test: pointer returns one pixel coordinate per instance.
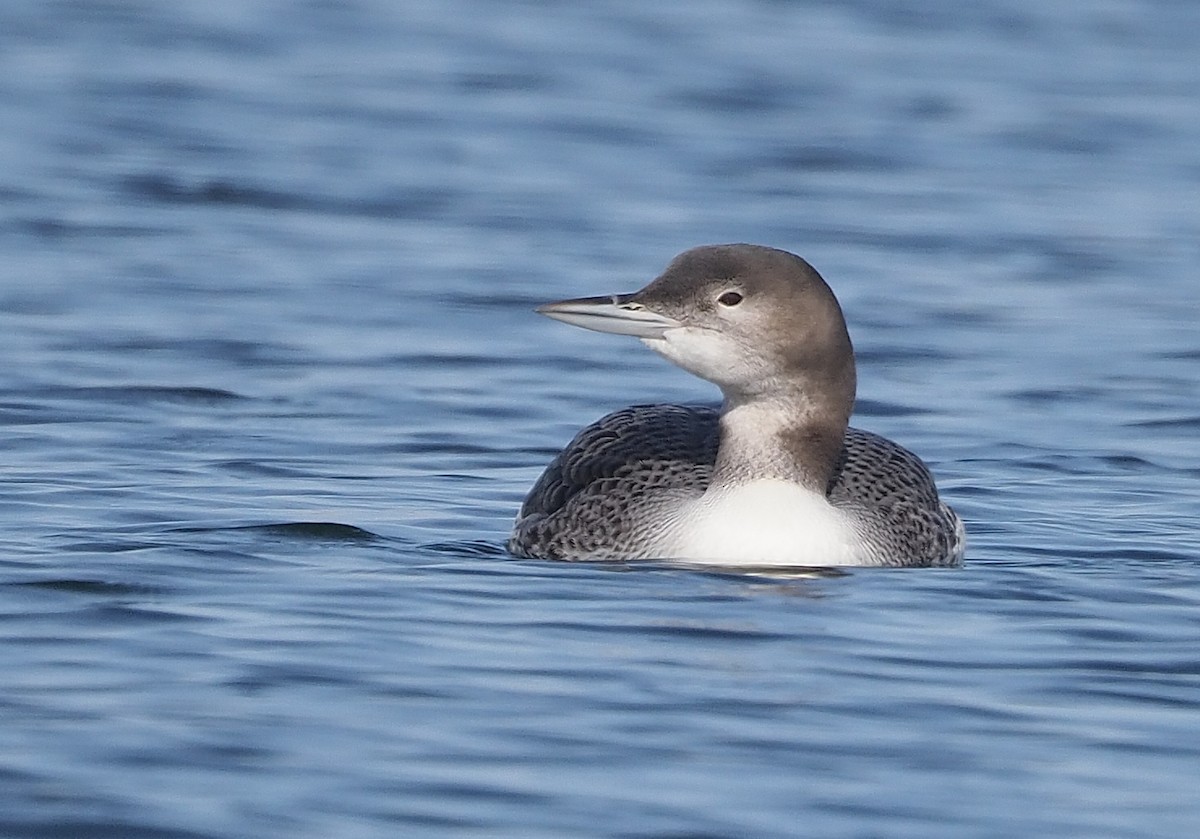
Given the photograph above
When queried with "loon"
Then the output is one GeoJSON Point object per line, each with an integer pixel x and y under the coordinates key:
{"type": "Point", "coordinates": [775, 477]}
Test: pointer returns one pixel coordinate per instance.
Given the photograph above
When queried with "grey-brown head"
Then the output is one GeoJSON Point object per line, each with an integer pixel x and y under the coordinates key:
{"type": "Point", "coordinates": [758, 322]}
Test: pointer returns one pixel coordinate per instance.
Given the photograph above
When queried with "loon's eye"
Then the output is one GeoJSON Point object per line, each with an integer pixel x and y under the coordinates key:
{"type": "Point", "coordinates": [730, 298]}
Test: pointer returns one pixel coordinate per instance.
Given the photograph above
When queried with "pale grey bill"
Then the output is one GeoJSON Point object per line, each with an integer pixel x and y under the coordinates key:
{"type": "Point", "coordinates": [615, 314]}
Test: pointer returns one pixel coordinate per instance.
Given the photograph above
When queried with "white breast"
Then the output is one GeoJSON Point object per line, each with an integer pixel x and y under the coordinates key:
{"type": "Point", "coordinates": [764, 522]}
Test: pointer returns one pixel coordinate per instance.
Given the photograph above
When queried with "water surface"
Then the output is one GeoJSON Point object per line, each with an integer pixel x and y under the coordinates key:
{"type": "Point", "coordinates": [272, 392]}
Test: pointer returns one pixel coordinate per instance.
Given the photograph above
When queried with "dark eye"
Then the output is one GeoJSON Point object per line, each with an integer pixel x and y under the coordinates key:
{"type": "Point", "coordinates": [730, 298]}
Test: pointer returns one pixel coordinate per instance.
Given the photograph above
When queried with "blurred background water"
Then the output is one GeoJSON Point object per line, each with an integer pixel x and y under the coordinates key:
{"type": "Point", "coordinates": [272, 391]}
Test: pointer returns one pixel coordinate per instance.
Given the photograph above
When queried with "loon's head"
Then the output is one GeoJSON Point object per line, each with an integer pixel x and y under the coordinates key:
{"type": "Point", "coordinates": [757, 322]}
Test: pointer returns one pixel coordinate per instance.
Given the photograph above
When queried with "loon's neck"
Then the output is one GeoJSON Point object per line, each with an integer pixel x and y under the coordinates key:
{"type": "Point", "coordinates": [796, 439]}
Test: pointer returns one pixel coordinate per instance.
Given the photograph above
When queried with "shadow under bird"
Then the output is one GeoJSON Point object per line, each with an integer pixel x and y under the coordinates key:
{"type": "Point", "coordinates": [776, 477]}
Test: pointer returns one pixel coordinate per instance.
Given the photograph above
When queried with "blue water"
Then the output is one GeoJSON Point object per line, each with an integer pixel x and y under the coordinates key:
{"type": "Point", "coordinates": [271, 392]}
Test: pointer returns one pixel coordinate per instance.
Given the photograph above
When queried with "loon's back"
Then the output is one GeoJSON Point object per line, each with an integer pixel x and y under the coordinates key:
{"type": "Point", "coordinates": [609, 492]}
